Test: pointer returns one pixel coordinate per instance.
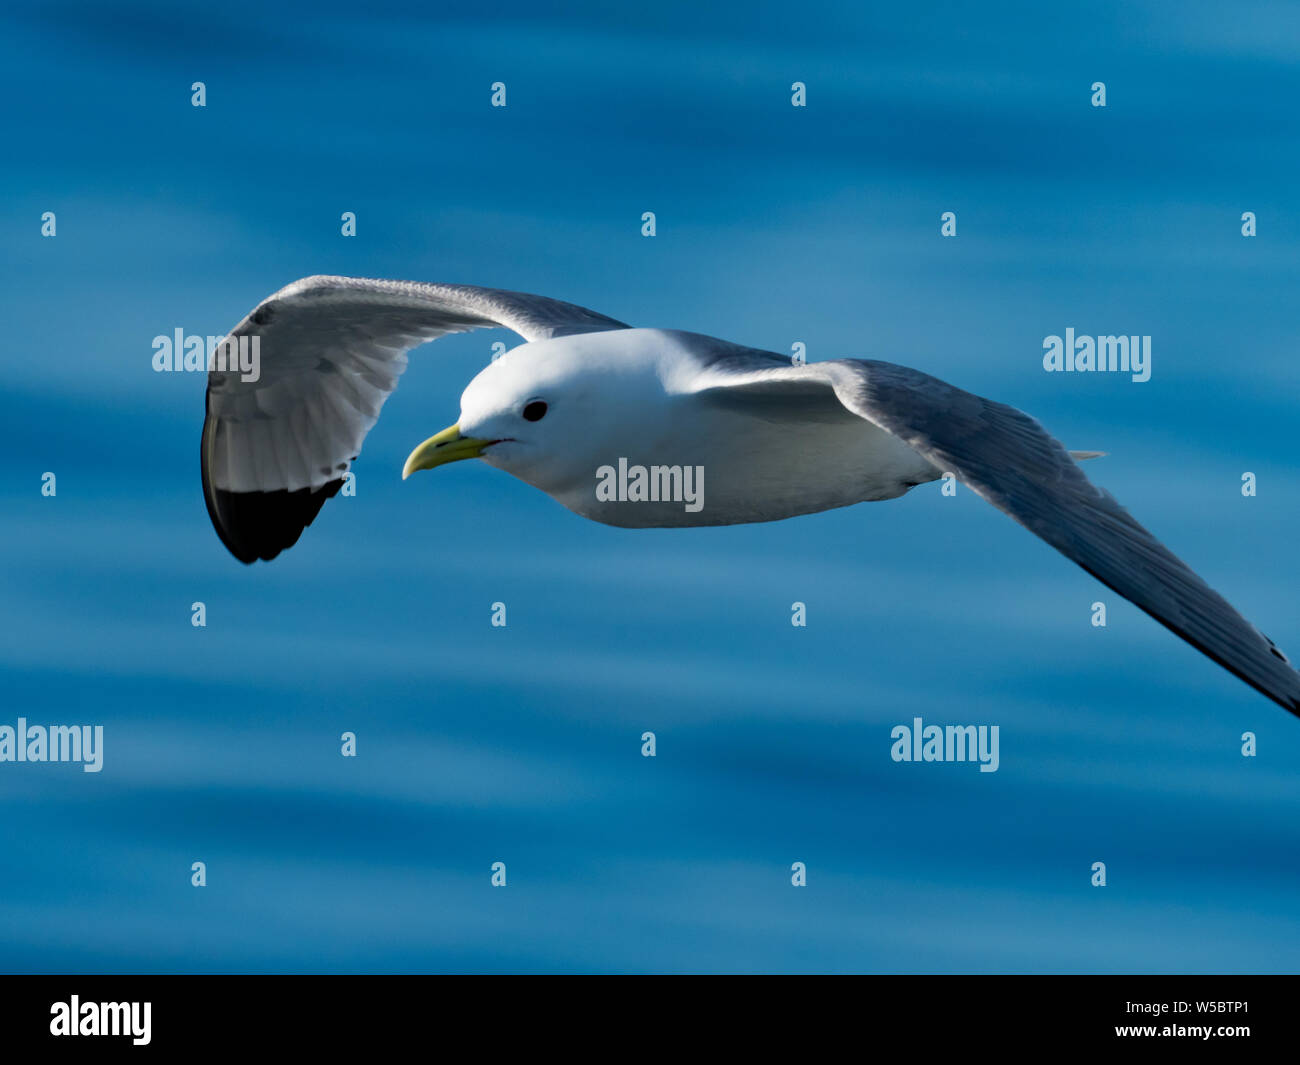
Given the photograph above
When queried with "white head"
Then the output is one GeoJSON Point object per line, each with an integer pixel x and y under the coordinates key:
{"type": "Point", "coordinates": [546, 412]}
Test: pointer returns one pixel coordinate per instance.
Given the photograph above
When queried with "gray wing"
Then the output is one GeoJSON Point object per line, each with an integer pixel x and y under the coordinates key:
{"type": "Point", "coordinates": [1011, 461]}
{"type": "Point", "coordinates": [330, 351]}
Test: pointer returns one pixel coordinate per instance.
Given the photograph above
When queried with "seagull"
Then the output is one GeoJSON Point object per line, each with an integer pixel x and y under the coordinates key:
{"type": "Point", "coordinates": [585, 394]}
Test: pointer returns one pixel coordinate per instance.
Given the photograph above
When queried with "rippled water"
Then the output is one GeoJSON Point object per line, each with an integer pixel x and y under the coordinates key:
{"type": "Point", "coordinates": [522, 744]}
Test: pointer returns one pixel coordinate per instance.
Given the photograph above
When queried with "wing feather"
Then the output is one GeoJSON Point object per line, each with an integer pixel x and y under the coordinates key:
{"type": "Point", "coordinates": [1010, 460]}
{"type": "Point", "coordinates": [331, 350]}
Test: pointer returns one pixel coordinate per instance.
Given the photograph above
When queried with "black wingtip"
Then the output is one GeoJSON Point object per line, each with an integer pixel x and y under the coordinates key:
{"type": "Point", "coordinates": [256, 525]}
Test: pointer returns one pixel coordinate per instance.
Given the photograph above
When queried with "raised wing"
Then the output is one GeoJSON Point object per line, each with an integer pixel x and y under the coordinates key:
{"type": "Point", "coordinates": [329, 353]}
{"type": "Point", "coordinates": [1011, 461]}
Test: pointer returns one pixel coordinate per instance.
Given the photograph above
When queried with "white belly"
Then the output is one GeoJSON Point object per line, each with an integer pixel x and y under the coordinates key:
{"type": "Point", "coordinates": [748, 469]}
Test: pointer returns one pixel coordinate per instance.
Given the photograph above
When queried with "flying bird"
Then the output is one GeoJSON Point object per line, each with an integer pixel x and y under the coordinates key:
{"type": "Point", "coordinates": [584, 394]}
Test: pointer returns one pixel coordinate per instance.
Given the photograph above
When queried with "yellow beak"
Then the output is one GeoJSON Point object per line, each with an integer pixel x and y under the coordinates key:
{"type": "Point", "coordinates": [446, 446]}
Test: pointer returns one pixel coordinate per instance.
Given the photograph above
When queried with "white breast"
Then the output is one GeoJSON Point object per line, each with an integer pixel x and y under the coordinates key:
{"type": "Point", "coordinates": [750, 469]}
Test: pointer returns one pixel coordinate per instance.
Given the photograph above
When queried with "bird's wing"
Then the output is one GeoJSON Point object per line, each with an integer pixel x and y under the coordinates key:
{"type": "Point", "coordinates": [1010, 460]}
{"type": "Point", "coordinates": [330, 351]}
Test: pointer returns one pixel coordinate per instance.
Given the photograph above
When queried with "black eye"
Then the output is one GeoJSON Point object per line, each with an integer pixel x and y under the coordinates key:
{"type": "Point", "coordinates": [535, 411]}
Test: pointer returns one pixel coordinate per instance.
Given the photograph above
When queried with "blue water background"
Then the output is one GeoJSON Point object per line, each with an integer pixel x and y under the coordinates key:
{"type": "Point", "coordinates": [775, 225]}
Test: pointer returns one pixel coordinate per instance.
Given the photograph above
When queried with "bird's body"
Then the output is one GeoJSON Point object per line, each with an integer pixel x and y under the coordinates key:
{"type": "Point", "coordinates": [659, 428]}
{"type": "Point", "coordinates": [756, 462]}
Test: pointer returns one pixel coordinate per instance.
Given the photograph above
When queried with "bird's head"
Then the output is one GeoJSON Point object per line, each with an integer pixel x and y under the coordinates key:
{"type": "Point", "coordinates": [552, 411]}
